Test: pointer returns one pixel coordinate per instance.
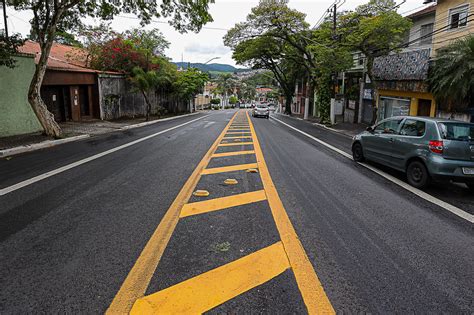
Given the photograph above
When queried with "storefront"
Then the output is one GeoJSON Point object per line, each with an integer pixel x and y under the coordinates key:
{"type": "Point", "coordinates": [403, 103]}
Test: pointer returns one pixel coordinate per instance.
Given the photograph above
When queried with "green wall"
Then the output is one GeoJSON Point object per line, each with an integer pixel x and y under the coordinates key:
{"type": "Point", "coordinates": [16, 115]}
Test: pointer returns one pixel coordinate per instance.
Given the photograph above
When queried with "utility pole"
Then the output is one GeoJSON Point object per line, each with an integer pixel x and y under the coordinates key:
{"type": "Point", "coordinates": [334, 36]}
{"type": "Point", "coordinates": [4, 4]}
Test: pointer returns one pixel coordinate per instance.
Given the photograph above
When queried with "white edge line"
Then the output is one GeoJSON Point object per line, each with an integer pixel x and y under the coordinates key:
{"type": "Point", "coordinates": [453, 209]}
{"type": "Point", "coordinates": [40, 145]}
{"type": "Point", "coordinates": [146, 123]}
{"type": "Point", "coordinates": [38, 178]}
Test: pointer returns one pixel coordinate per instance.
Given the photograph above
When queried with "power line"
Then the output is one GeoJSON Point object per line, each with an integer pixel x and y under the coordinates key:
{"type": "Point", "coordinates": [164, 22]}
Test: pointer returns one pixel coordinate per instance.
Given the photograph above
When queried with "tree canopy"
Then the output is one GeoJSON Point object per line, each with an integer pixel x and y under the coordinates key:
{"type": "Point", "coordinates": [451, 77]}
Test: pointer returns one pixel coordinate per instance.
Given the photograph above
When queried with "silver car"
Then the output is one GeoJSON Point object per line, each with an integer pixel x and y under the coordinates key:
{"type": "Point", "coordinates": [261, 111]}
{"type": "Point", "coordinates": [423, 148]}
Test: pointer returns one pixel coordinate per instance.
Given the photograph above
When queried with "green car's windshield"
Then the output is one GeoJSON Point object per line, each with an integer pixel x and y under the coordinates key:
{"type": "Point", "coordinates": [456, 131]}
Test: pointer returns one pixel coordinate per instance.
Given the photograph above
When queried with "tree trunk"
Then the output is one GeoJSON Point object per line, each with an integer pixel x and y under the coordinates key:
{"type": "Point", "coordinates": [148, 105]}
{"type": "Point", "coordinates": [46, 119]}
{"type": "Point", "coordinates": [288, 101]}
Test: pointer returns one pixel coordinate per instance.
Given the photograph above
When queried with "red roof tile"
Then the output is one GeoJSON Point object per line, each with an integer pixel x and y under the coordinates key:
{"type": "Point", "coordinates": [61, 57]}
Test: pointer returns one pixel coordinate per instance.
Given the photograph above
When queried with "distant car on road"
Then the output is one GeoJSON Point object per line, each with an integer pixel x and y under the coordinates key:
{"type": "Point", "coordinates": [424, 148]}
{"type": "Point", "coordinates": [261, 111]}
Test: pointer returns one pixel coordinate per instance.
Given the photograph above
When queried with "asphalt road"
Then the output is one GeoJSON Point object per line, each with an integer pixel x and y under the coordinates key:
{"type": "Point", "coordinates": [69, 242]}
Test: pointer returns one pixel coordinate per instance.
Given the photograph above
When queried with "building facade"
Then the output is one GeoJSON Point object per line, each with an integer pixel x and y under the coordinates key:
{"type": "Point", "coordinates": [401, 77]}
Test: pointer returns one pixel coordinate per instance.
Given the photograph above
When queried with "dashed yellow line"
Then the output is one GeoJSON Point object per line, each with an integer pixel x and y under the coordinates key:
{"type": "Point", "coordinates": [233, 153]}
{"type": "Point", "coordinates": [215, 204]}
{"type": "Point", "coordinates": [205, 291]}
{"type": "Point", "coordinates": [231, 168]}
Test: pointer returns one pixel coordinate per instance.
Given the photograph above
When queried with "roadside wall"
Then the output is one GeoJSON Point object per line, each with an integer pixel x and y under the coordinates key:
{"type": "Point", "coordinates": [117, 99]}
{"type": "Point", "coordinates": [16, 115]}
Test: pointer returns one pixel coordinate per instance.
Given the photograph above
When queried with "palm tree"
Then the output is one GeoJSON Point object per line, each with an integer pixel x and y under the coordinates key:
{"type": "Point", "coordinates": [144, 82]}
{"type": "Point", "coordinates": [451, 77]}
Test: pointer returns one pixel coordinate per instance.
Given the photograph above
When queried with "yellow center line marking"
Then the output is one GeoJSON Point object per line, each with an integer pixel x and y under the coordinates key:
{"type": "Point", "coordinates": [139, 277]}
{"type": "Point", "coordinates": [223, 144]}
{"type": "Point", "coordinates": [205, 291]}
{"type": "Point", "coordinates": [230, 168]}
{"type": "Point", "coordinates": [224, 154]}
{"type": "Point", "coordinates": [215, 204]}
{"type": "Point", "coordinates": [308, 282]}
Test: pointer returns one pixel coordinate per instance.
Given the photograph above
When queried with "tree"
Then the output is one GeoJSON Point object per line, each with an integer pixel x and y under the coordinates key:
{"type": "Point", "coordinates": [375, 29]}
{"type": "Point", "coordinates": [233, 100]}
{"type": "Point", "coordinates": [273, 54]}
{"type": "Point", "coordinates": [225, 84]}
{"type": "Point", "coordinates": [118, 55]}
{"type": "Point", "coordinates": [274, 37]}
{"type": "Point", "coordinates": [452, 72]}
{"type": "Point", "coordinates": [274, 19]}
{"type": "Point", "coordinates": [189, 83]}
{"type": "Point", "coordinates": [8, 48]}
{"type": "Point", "coordinates": [49, 16]}
{"type": "Point", "coordinates": [151, 43]}
{"type": "Point", "coordinates": [330, 57]}
{"type": "Point", "coordinates": [144, 82]}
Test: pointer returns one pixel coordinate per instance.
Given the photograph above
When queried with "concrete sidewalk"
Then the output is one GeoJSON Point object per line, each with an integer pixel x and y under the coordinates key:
{"type": "Point", "coordinates": [348, 129]}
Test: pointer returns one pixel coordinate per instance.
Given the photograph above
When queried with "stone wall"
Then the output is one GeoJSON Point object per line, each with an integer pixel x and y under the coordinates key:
{"type": "Point", "coordinates": [118, 99]}
{"type": "Point", "coordinates": [16, 114]}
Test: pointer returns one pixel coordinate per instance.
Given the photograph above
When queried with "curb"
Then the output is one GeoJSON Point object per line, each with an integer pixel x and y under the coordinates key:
{"type": "Point", "coordinates": [52, 143]}
{"type": "Point", "coordinates": [38, 146]}
{"type": "Point", "coordinates": [320, 125]}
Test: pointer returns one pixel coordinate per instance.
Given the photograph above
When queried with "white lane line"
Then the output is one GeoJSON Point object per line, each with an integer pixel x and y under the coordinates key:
{"type": "Point", "coordinates": [64, 168]}
{"type": "Point", "coordinates": [453, 209]}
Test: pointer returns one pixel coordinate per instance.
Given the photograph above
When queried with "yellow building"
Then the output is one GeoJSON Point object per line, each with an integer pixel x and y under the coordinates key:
{"type": "Point", "coordinates": [454, 20]}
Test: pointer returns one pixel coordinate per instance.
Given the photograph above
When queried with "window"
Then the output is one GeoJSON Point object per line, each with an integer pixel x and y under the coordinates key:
{"type": "Point", "coordinates": [390, 126]}
{"type": "Point", "coordinates": [426, 34]}
{"type": "Point", "coordinates": [413, 128]}
{"type": "Point", "coordinates": [390, 106]}
{"type": "Point", "coordinates": [458, 17]}
{"type": "Point", "coordinates": [457, 131]}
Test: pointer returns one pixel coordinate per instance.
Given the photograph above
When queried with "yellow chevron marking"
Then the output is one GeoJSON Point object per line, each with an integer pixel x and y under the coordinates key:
{"type": "Point", "coordinates": [210, 289]}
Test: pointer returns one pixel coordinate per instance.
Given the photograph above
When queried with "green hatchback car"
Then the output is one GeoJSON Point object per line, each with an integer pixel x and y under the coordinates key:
{"type": "Point", "coordinates": [424, 148]}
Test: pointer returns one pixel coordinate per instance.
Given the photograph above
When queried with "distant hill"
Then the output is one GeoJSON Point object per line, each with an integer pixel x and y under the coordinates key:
{"type": "Point", "coordinates": [212, 67]}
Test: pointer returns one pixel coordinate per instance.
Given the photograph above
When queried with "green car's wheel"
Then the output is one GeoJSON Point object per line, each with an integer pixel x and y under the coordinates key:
{"type": "Point", "coordinates": [417, 174]}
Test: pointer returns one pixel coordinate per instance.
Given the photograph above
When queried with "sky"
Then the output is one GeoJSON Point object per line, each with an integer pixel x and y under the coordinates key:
{"type": "Point", "coordinates": [208, 44]}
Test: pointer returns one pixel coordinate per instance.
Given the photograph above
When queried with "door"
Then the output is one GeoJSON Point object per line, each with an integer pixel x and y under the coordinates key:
{"type": "Point", "coordinates": [378, 144]}
{"type": "Point", "coordinates": [424, 108]}
{"type": "Point", "coordinates": [409, 142]}
{"type": "Point", "coordinates": [84, 100]}
{"type": "Point", "coordinates": [75, 105]}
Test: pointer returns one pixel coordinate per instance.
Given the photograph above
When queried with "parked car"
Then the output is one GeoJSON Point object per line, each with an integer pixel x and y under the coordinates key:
{"type": "Point", "coordinates": [424, 148]}
{"type": "Point", "coordinates": [261, 111]}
